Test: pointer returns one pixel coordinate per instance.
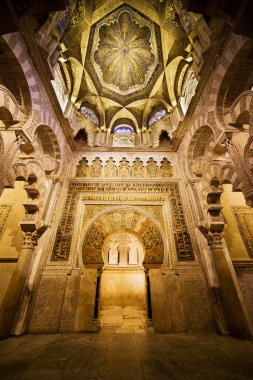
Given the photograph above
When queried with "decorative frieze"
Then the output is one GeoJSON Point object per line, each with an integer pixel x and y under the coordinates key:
{"type": "Point", "coordinates": [182, 238]}
{"type": "Point", "coordinates": [123, 219]}
{"type": "Point", "coordinates": [244, 220]}
{"type": "Point", "coordinates": [152, 169]}
{"type": "Point", "coordinates": [5, 210]}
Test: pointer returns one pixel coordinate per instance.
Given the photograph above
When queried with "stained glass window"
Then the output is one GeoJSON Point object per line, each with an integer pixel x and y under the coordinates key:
{"type": "Point", "coordinates": [89, 114]}
{"type": "Point", "coordinates": [157, 116]}
{"type": "Point", "coordinates": [122, 128]}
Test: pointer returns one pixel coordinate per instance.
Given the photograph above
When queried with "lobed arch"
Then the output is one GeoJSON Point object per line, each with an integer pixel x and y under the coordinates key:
{"type": "Point", "coordinates": [11, 112]}
{"type": "Point", "coordinates": [241, 111]}
{"type": "Point", "coordinates": [164, 136]}
{"type": "Point", "coordinates": [240, 114]}
{"type": "Point", "coordinates": [201, 146]}
{"type": "Point", "coordinates": [46, 144]}
{"type": "Point", "coordinates": [217, 174]}
{"type": "Point", "coordinates": [32, 96]}
{"type": "Point", "coordinates": [237, 48]}
{"type": "Point", "coordinates": [12, 77]}
{"type": "Point", "coordinates": [24, 171]}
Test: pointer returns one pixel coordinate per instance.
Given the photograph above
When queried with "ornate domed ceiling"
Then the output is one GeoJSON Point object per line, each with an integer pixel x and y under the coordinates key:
{"type": "Point", "coordinates": [124, 55]}
{"type": "Point", "coordinates": [122, 59]}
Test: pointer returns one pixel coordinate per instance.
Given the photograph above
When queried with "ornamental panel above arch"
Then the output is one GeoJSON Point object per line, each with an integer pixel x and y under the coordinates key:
{"type": "Point", "coordinates": [126, 219]}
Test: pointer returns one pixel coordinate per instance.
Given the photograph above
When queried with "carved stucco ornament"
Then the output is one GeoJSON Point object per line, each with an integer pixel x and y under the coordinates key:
{"type": "Point", "coordinates": [124, 54]}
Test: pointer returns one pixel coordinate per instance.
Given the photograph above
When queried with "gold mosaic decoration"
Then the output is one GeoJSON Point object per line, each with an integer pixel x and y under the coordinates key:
{"type": "Point", "coordinates": [171, 14]}
{"type": "Point", "coordinates": [124, 54]}
{"type": "Point", "coordinates": [244, 220]}
{"type": "Point", "coordinates": [156, 212]}
{"type": "Point", "coordinates": [121, 219]}
{"type": "Point", "coordinates": [78, 15]}
{"type": "Point", "coordinates": [90, 211]}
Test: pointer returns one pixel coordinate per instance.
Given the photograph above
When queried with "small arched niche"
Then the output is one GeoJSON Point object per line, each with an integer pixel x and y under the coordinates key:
{"type": "Point", "coordinates": [123, 249]}
{"type": "Point", "coordinates": [124, 133]}
{"type": "Point", "coordinates": [123, 292]}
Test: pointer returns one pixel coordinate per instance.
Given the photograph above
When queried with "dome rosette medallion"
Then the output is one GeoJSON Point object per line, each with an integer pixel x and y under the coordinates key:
{"type": "Point", "coordinates": [124, 55]}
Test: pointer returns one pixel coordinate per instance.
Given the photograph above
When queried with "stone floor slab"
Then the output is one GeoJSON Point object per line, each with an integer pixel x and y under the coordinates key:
{"type": "Point", "coordinates": [129, 356]}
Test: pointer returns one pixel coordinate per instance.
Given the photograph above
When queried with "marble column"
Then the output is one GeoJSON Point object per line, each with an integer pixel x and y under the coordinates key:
{"type": "Point", "coordinates": [213, 283]}
{"type": "Point", "coordinates": [234, 307]}
{"type": "Point", "coordinates": [144, 136]}
{"type": "Point", "coordinates": [96, 140]}
{"type": "Point", "coordinates": [13, 295]}
{"type": "Point", "coordinates": [192, 184]}
{"type": "Point", "coordinates": [29, 243]}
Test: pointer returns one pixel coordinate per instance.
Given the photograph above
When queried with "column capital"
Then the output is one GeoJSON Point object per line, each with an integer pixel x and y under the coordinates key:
{"type": "Point", "coordinates": [215, 239]}
{"type": "Point", "coordinates": [30, 239]}
{"type": "Point", "coordinates": [20, 140]}
{"type": "Point", "coordinates": [228, 142]}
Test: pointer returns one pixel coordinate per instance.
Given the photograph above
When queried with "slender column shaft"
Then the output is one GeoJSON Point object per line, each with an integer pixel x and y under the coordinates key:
{"type": "Point", "coordinates": [234, 306]}
{"type": "Point", "coordinates": [14, 291]}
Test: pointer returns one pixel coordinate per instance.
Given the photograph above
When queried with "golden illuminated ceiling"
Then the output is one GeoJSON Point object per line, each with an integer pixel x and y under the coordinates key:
{"type": "Point", "coordinates": [124, 57]}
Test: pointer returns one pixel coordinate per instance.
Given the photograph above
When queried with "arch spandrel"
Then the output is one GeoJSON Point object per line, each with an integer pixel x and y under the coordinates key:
{"type": "Point", "coordinates": [128, 220]}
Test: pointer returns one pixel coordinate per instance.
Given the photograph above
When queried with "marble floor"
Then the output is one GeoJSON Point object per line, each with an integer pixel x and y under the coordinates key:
{"type": "Point", "coordinates": [112, 356]}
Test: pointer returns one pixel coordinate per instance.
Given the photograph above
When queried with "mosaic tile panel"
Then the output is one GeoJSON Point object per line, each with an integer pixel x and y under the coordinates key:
{"type": "Point", "coordinates": [64, 234]}
{"type": "Point", "coordinates": [123, 219]}
{"type": "Point", "coordinates": [181, 235]}
{"type": "Point", "coordinates": [244, 220]}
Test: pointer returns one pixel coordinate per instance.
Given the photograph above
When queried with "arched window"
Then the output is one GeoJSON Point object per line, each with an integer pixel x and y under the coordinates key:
{"type": "Point", "coordinates": [123, 128]}
{"type": "Point", "coordinates": [89, 114]}
{"type": "Point", "coordinates": [123, 136]}
{"type": "Point", "coordinates": [157, 116]}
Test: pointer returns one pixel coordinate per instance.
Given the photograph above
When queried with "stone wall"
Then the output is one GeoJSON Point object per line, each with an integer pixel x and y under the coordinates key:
{"type": "Point", "coordinates": [56, 302]}
{"type": "Point", "coordinates": [180, 301]}
{"type": "Point", "coordinates": [65, 301]}
{"type": "Point", "coordinates": [244, 273]}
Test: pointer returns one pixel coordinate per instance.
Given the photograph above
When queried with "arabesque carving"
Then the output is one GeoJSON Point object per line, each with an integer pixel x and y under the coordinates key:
{"type": "Point", "coordinates": [30, 239]}
{"type": "Point", "coordinates": [124, 169]}
{"type": "Point", "coordinates": [5, 210]}
{"type": "Point", "coordinates": [121, 219]}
